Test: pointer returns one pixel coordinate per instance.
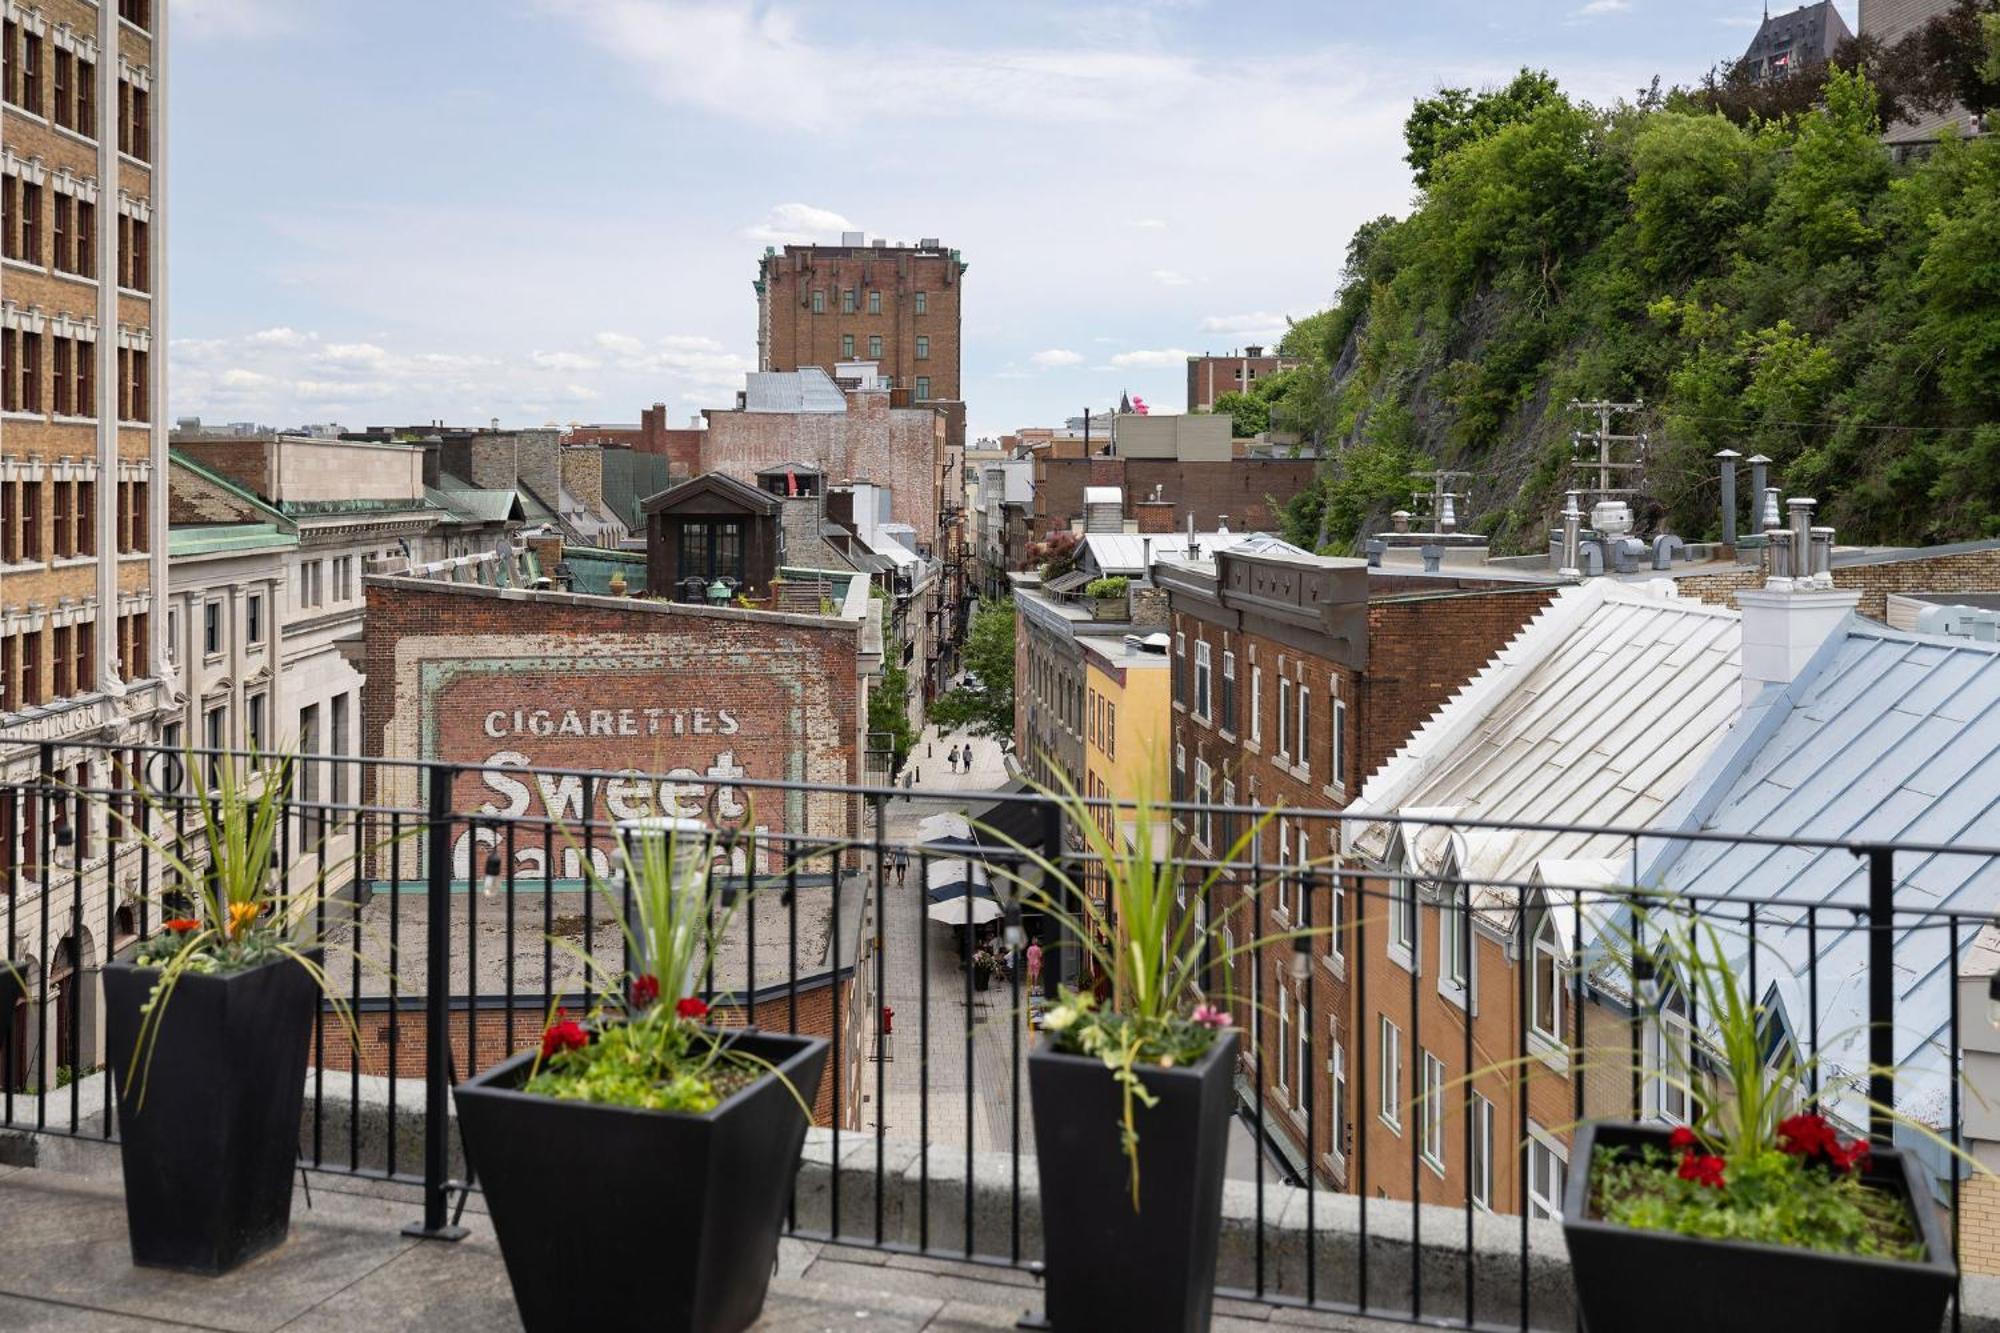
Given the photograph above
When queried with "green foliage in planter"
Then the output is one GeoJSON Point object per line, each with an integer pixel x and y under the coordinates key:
{"type": "Point", "coordinates": [1769, 1197]}
{"type": "Point", "coordinates": [1107, 589]}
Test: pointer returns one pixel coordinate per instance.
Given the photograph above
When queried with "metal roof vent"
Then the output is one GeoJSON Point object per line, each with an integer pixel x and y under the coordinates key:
{"type": "Point", "coordinates": [1613, 518]}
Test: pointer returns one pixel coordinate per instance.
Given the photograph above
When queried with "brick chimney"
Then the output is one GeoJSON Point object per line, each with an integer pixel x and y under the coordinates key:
{"type": "Point", "coordinates": [1155, 515]}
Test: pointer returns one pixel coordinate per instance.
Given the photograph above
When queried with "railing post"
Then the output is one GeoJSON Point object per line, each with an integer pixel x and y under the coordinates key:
{"type": "Point", "coordinates": [1052, 852]}
{"type": "Point", "coordinates": [437, 1014]}
{"type": "Point", "coordinates": [1881, 993]}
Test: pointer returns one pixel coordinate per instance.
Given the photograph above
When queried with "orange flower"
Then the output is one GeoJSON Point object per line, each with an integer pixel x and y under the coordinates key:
{"type": "Point", "coordinates": [241, 916]}
{"type": "Point", "coordinates": [181, 925]}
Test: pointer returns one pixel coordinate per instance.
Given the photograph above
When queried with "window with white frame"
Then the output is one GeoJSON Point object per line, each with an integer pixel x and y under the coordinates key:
{"type": "Point", "coordinates": [1303, 755]}
{"type": "Point", "coordinates": [1481, 1169]}
{"type": "Point", "coordinates": [1304, 1056]}
{"type": "Point", "coordinates": [1202, 662]}
{"type": "Point", "coordinates": [1284, 736]}
{"type": "Point", "coordinates": [1338, 1064]}
{"type": "Point", "coordinates": [1390, 1069]}
{"type": "Point", "coordinates": [1336, 935]}
{"type": "Point", "coordinates": [1256, 703]}
{"type": "Point", "coordinates": [1403, 916]}
{"type": "Point", "coordinates": [1204, 816]}
{"type": "Point", "coordinates": [1339, 760]}
{"type": "Point", "coordinates": [211, 629]}
{"type": "Point", "coordinates": [1548, 1168]}
{"type": "Point", "coordinates": [1284, 904]}
{"type": "Point", "coordinates": [1228, 719]}
{"type": "Point", "coordinates": [1546, 982]}
{"type": "Point", "coordinates": [1180, 772]}
{"type": "Point", "coordinates": [1671, 1058]}
{"type": "Point", "coordinates": [1284, 1038]}
{"type": "Point", "coordinates": [1227, 960]}
{"type": "Point", "coordinates": [1455, 938]}
{"type": "Point", "coordinates": [1430, 1114]}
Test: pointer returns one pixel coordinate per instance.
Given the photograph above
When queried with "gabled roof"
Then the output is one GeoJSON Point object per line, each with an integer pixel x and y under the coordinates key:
{"type": "Point", "coordinates": [1885, 735]}
{"type": "Point", "coordinates": [1597, 713]}
{"type": "Point", "coordinates": [738, 493]}
{"type": "Point", "coordinates": [477, 506]}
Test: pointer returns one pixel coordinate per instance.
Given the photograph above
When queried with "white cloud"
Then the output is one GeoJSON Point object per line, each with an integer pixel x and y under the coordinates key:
{"type": "Point", "coordinates": [563, 360]}
{"type": "Point", "coordinates": [353, 354]}
{"type": "Point", "coordinates": [790, 224]}
{"type": "Point", "coordinates": [1055, 356]}
{"type": "Point", "coordinates": [1151, 358]}
{"type": "Point", "coordinates": [623, 343]}
{"type": "Point", "coordinates": [1255, 324]}
{"type": "Point", "coordinates": [1150, 224]}
{"type": "Point", "coordinates": [1595, 8]}
{"type": "Point", "coordinates": [238, 378]}
{"type": "Point", "coordinates": [1166, 277]}
{"type": "Point", "coordinates": [280, 336]}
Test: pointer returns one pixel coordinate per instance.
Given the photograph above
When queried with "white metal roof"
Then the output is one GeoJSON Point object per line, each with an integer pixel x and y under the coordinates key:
{"type": "Point", "coordinates": [1598, 713]}
{"type": "Point", "coordinates": [806, 390]}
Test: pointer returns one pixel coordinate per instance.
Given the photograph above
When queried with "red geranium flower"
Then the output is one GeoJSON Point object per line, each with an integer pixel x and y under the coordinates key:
{"type": "Point", "coordinates": [692, 1006]}
{"type": "Point", "coordinates": [1682, 1139]}
{"type": "Point", "coordinates": [1704, 1170]}
{"type": "Point", "coordinates": [645, 990]}
{"type": "Point", "coordinates": [181, 925]}
{"type": "Point", "coordinates": [1810, 1136]}
{"type": "Point", "coordinates": [565, 1035]}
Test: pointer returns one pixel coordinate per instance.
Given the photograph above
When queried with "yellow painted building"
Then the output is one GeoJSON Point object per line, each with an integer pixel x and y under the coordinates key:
{"type": "Point", "coordinates": [1127, 720]}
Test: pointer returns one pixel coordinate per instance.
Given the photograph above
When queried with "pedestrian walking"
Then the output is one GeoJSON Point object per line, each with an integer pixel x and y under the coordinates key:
{"type": "Point", "coordinates": [953, 757]}
{"type": "Point", "coordinates": [1034, 964]}
{"type": "Point", "coordinates": [902, 865]}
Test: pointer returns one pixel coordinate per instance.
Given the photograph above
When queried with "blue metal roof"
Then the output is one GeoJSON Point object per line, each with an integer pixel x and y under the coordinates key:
{"type": "Point", "coordinates": [1885, 736]}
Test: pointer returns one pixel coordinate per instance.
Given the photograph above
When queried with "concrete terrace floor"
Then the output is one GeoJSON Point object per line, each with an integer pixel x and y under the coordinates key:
{"type": "Point", "coordinates": [64, 1266]}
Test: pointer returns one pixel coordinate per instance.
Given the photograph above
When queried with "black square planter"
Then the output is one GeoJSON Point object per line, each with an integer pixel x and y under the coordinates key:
{"type": "Point", "coordinates": [612, 1217]}
{"type": "Point", "coordinates": [209, 1131]}
{"type": "Point", "coordinates": [1108, 1266]}
{"type": "Point", "coordinates": [1634, 1281]}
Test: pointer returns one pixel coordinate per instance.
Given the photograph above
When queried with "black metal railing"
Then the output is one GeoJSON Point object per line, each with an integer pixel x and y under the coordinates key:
{"type": "Point", "coordinates": [1389, 1053]}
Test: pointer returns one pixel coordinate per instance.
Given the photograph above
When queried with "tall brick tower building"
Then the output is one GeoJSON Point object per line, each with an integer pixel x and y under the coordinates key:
{"type": "Point", "coordinates": [83, 493]}
{"type": "Point", "coordinates": [895, 305]}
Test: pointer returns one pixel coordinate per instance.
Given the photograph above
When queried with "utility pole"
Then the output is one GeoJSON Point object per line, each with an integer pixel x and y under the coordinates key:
{"type": "Point", "coordinates": [1439, 498]}
{"type": "Point", "coordinates": [1597, 451]}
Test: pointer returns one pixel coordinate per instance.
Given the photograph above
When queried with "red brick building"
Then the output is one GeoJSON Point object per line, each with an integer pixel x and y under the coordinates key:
{"type": "Point", "coordinates": [1162, 494]}
{"type": "Point", "coordinates": [1295, 678]}
{"type": "Point", "coordinates": [894, 305]}
{"type": "Point", "coordinates": [681, 445]}
{"type": "Point", "coordinates": [1209, 377]}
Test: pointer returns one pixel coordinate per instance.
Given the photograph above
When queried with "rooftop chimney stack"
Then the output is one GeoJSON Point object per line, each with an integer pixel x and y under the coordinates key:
{"type": "Point", "coordinates": [1447, 513]}
{"type": "Point", "coordinates": [1728, 458]}
{"type": "Point", "coordinates": [1786, 621]}
{"type": "Point", "coordinates": [1572, 517]}
{"type": "Point", "coordinates": [1759, 475]}
{"type": "Point", "coordinates": [1400, 520]}
{"type": "Point", "coordinates": [1769, 518]}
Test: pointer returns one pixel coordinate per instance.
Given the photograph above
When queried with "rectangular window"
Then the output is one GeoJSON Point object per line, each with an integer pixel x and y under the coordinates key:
{"type": "Point", "coordinates": [874, 303]}
{"type": "Point", "coordinates": [31, 223]}
{"type": "Point", "coordinates": [1403, 915]}
{"type": "Point", "coordinates": [847, 347]}
{"type": "Point", "coordinates": [309, 744]}
{"type": "Point", "coordinates": [31, 372]}
{"type": "Point", "coordinates": [142, 256]}
{"type": "Point", "coordinates": [1481, 1170]}
{"type": "Point", "coordinates": [1339, 742]}
{"type": "Point", "coordinates": [253, 618]}
{"type": "Point", "coordinates": [60, 232]}
{"type": "Point", "coordinates": [1204, 817]}
{"type": "Point", "coordinates": [819, 302]}
{"type": "Point", "coordinates": [64, 76]}
{"type": "Point", "coordinates": [10, 204]}
{"type": "Point", "coordinates": [875, 346]}
{"type": "Point", "coordinates": [1304, 754]}
{"type": "Point", "coordinates": [923, 388]}
{"type": "Point", "coordinates": [59, 373]}
{"type": "Point", "coordinates": [253, 722]}
{"type": "Point", "coordinates": [142, 126]}
{"type": "Point", "coordinates": [1431, 1114]}
{"type": "Point", "coordinates": [1671, 1058]}
{"type": "Point", "coordinates": [1305, 1057]}
{"type": "Point", "coordinates": [923, 303]}
{"type": "Point", "coordinates": [847, 301]}
{"type": "Point", "coordinates": [211, 629]}
{"type": "Point", "coordinates": [1336, 936]}
{"type": "Point", "coordinates": [31, 72]}
{"type": "Point", "coordinates": [1201, 674]}
{"type": "Point", "coordinates": [86, 98]}
{"type": "Point", "coordinates": [1228, 717]}
{"type": "Point", "coordinates": [1548, 1168]}
{"type": "Point", "coordinates": [923, 348]}
{"type": "Point", "coordinates": [1284, 1039]}
{"type": "Point", "coordinates": [1256, 703]}
{"type": "Point", "coordinates": [62, 525]}
{"type": "Point", "coordinates": [31, 521]}
{"type": "Point", "coordinates": [1341, 1132]}
{"type": "Point", "coordinates": [215, 734]}
{"type": "Point", "coordinates": [1546, 982]}
{"type": "Point", "coordinates": [1455, 938]}
{"type": "Point", "coordinates": [1284, 737]}
{"type": "Point", "coordinates": [1391, 1072]}
{"type": "Point", "coordinates": [61, 683]}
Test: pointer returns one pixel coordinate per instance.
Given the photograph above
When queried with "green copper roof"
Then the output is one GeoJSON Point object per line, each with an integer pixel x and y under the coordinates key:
{"type": "Point", "coordinates": [210, 538]}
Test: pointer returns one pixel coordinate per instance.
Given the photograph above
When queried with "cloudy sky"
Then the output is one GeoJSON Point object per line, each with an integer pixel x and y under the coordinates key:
{"type": "Point", "coordinates": [536, 210]}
